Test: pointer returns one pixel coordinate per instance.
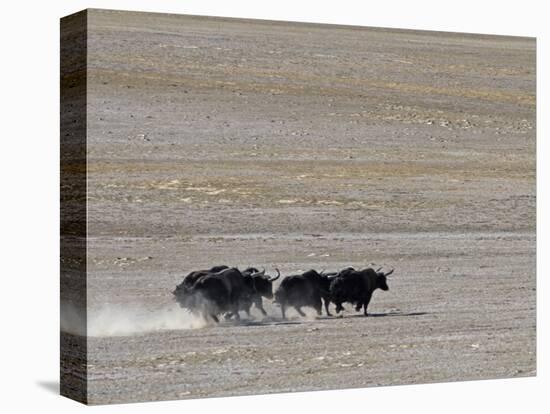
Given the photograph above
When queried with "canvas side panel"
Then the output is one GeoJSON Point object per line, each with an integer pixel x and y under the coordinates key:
{"type": "Point", "coordinates": [73, 231]}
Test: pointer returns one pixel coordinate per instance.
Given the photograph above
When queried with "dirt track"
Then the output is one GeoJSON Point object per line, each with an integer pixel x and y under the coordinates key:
{"type": "Point", "coordinates": [218, 141]}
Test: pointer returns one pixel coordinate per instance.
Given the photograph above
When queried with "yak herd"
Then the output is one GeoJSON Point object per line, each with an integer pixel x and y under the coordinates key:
{"type": "Point", "coordinates": [223, 290]}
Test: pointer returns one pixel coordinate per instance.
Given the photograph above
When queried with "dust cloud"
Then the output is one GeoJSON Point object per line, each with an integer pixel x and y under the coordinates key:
{"type": "Point", "coordinates": [111, 320]}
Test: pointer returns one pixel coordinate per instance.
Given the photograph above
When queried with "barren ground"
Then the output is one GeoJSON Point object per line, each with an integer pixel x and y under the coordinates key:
{"type": "Point", "coordinates": [216, 141]}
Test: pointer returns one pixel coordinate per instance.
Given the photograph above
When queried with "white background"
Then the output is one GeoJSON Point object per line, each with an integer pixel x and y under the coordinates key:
{"type": "Point", "coordinates": [29, 206]}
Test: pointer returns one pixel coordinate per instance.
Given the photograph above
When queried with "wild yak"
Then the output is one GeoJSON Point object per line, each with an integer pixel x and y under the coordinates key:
{"type": "Point", "coordinates": [325, 293]}
{"type": "Point", "coordinates": [357, 287]}
{"type": "Point", "coordinates": [209, 296]}
{"type": "Point", "coordinates": [262, 287]}
{"type": "Point", "coordinates": [213, 293]}
{"type": "Point", "coordinates": [191, 278]}
{"type": "Point", "coordinates": [302, 290]}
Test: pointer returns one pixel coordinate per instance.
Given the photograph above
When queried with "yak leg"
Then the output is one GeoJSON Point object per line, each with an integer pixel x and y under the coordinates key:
{"type": "Point", "coordinates": [339, 307]}
{"type": "Point", "coordinates": [207, 314]}
{"type": "Point", "coordinates": [283, 310]}
{"type": "Point", "coordinates": [318, 306]}
{"type": "Point", "coordinates": [258, 303]}
{"type": "Point", "coordinates": [327, 303]}
{"type": "Point", "coordinates": [237, 316]}
{"type": "Point", "coordinates": [358, 306]}
{"type": "Point", "coordinates": [299, 310]}
{"type": "Point", "coordinates": [366, 303]}
{"type": "Point", "coordinates": [247, 310]}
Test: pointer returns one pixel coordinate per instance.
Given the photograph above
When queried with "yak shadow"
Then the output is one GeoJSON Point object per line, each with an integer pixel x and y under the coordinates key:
{"type": "Point", "coordinates": [326, 317]}
{"type": "Point", "coordinates": [272, 321]}
{"type": "Point", "coordinates": [384, 314]}
{"type": "Point", "coordinates": [263, 322]}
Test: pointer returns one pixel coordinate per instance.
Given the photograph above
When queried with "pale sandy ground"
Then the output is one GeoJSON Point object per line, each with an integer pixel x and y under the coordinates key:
{"type": "Point", "coordinates": [297, 146]}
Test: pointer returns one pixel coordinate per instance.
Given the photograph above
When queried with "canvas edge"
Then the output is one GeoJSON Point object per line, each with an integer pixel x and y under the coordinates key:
{"type": "Point", "coordinates": [73, 207]}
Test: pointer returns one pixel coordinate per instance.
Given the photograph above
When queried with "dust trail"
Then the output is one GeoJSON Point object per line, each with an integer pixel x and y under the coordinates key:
{"type": "Point", "coordinates": [111, 320]}
{"type": "Point", "coordinates": [121, 321]}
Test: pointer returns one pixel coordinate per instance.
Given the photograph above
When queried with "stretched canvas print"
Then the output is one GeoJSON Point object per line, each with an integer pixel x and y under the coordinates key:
{"type": "Point", "coordinates": [253, 207]}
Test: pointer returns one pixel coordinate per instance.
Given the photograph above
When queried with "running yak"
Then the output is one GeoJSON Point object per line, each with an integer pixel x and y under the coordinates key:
{"type": "Point", "coordinates": [262, 287]}
{"type": "Point", "coordinates": [214, 291]}
{"type": "Point", "coordinates": [357, 287]}
{"type": "Point", "coordinates": [306, 289]}
{"type": "Point", "coordinates": [221, 289]}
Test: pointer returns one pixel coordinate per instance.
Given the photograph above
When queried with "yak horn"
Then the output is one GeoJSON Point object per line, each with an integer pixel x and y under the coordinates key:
{"type": "Point", "coordinates": [380, 268]}
{"type": "Point", "coordinates": [389, 273]}
{"type": "Point", "coordinates": [259, 273]}
{"type": "Point", "coordinates": [276, 277]}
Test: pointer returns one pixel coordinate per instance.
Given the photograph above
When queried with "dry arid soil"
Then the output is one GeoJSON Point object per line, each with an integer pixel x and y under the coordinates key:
{"type": "Point", "coordinates": [218, 141]}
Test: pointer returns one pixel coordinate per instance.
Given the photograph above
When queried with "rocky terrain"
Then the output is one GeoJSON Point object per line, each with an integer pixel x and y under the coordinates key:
{"type": "Point", "coordinates": [223, 141]}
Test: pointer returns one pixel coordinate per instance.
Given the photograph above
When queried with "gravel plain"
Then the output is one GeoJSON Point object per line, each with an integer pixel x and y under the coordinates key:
{"type": "Point", "coordinates": [298, 146]}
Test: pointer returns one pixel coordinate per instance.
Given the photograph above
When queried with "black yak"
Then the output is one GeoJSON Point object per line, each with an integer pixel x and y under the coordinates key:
{"type": "Point", "coordinates": [192, 277]}
{"type": "Point", "coordinates": [306, 289]}
{"type": "Point", "coordinates": [262, 286]}
{"type": "Point", "coordinates": [213, 293]}
{"type": "Point", "coordinates": [357, 287]}
{"type": "Point", "coordinates": [329, 277]}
